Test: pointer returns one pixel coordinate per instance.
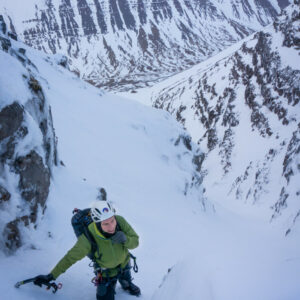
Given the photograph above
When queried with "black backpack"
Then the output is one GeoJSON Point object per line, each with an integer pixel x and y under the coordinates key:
{"type": "Point", "coordinates": [80, 221]}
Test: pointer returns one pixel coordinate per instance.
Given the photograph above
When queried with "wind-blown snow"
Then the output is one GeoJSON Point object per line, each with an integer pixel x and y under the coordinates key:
{"type": "Point", "coordinates": [127, 148]}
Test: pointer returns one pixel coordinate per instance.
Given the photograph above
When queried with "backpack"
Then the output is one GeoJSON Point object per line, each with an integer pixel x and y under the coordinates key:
{"type": "Point", "coordinates": [80, 221]}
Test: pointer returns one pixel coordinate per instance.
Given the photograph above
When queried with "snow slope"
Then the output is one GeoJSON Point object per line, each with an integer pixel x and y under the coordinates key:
{"type": "Point", "coordinates": [108, 141]}
{"type": "Point", "coordinates": [242, 108]}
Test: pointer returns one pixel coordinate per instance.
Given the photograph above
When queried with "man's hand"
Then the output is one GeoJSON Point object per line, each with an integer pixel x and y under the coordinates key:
{"type": "Point", "coordinates": [119, 238]}
{"type": "Point", "coordinates": [43, 279]}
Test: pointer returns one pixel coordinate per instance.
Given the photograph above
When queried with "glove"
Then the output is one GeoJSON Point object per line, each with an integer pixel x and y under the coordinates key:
{"type": "Point", "coordinates": [43, 279]}
{"type": "Point", "coordinates": [119, 238]}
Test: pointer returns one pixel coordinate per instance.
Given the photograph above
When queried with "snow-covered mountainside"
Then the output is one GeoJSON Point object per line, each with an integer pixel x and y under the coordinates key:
{"type": "Point", "coordinates": [242, 108]}
{"type": "Point", "coordinates": [121, 44]}
{"type": "Point", "coordinates": [28, 142]}
{"type": "Point", "coordinates": [189, 247]}
{"type": "Point", "coordinates": [150, 170]}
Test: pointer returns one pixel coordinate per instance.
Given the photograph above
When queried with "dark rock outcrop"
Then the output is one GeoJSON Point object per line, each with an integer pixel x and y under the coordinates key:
{"type": "Point", "coordinates": [11, 118]}
{"type": "Point", "coordinates": [33, 174]}
{"type": "Point", "coordinates": [26, 163]}
{"type": "Point", "coordinates": [4, 195]}
{"type": "Point", "coordinates": [34, 181]}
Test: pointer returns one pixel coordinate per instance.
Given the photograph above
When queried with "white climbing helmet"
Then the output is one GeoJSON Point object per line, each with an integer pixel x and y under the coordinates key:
{"type": "Point", "coordinates": [101, 210]}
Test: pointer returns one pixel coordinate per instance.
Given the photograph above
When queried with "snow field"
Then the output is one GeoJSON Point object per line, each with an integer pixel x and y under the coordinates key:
{"type": "Point", "coordinates": [127, 148]}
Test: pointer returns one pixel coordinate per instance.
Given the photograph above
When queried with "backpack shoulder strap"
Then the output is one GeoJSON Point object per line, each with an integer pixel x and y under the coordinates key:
{"type": "Point", "coordinates": [80, 222]}
{"type": "Point", "coordinates": [94, 245]}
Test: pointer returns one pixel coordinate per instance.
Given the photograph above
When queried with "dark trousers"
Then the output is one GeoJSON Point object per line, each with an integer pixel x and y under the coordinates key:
{"type": "Point", "coordinates": [106, 288]}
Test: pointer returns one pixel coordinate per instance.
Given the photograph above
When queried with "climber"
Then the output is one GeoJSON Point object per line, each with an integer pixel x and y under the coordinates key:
{"type": "Point", "coordinates": [112, 236]}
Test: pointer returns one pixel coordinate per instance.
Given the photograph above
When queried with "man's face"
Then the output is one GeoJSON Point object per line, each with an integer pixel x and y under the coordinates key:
{"type": "Point", "coordinates": [109, 225]}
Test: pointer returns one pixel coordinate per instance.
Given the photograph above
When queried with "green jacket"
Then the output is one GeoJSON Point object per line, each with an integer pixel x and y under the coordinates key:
{"type": "Point", "coordinates": [111, 255]}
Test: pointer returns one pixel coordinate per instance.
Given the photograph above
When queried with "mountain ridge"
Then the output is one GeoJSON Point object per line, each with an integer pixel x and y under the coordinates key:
{"type": "Point", "coordinates": [252, 91]}
{"type": "Point", "coordinates": [131, 44]}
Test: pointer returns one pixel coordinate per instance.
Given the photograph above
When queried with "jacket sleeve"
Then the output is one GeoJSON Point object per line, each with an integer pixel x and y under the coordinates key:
{"type": "Point", "coordinates": [132, 237]}
{"type": "Point", "coordinates": [76, 253]}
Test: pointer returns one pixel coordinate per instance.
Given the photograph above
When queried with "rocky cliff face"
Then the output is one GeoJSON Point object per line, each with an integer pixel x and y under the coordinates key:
{"type": "Point", "coordinates": [27, 143]}
{"type": "Point", "coordinates": [121, 44]}
{"type": "Point", "coordinates": [243, 109]}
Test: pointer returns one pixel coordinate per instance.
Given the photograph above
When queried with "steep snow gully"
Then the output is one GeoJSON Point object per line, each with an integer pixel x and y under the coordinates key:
{"type": "Point", "coordinates": [190, 247]}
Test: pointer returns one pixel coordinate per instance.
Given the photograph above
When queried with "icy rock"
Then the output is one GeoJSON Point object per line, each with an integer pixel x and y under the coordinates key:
{"type": "Point", "coordinates": [11, 118]}
{"type": "Point", "coordinates": [4, 194]}
{"type": "Point", "coordinates": [34, 181]}
{"type": "Point", "coordinates": [34, 188]}
{"type": "Point", "coordinates": [2, 25]}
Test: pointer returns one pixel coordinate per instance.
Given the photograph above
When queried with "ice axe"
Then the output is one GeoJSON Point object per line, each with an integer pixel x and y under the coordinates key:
{"type": "Point", "coordinates": [52, 285]}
